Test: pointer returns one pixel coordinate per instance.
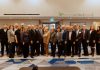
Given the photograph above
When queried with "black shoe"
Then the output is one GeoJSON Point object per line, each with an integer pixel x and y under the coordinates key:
{"type": "Point", "coordinates": [1, 55]}
{"type": "Point", "coordinates": [79, 55]}
{"type": "Point", "coordinates": [72, 56]}
{"type": "Point", "coordinates": [32, 57]}
{"type": "Point", "coordinates": [25, 56]}
{"type": "Point", "coordinates": [92, 55]}
{"type": "Point", "coordinates": [86, 55]}
{"type": "Point", "coordinates": [65, 56]}
{"type": "Point", "coordinates": [59, 57]}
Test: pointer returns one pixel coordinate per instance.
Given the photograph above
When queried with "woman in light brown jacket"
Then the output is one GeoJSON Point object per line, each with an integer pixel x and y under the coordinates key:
{"type": "Point", "coordinates": [11, 41]}
{"type": "Point", "coordinates": [46, 38]}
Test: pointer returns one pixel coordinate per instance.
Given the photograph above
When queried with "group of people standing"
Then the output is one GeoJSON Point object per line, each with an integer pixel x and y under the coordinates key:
{"type": "Point", "coordinates": [34, 40]}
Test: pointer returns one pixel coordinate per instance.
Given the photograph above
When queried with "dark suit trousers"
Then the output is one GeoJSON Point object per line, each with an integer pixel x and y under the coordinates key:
{"type": "Point", "coordinates": [26, 50]}
{"type": "Point", "coordinates": [37, 47]}
{"type": "Point", "coordinates": [64, 48]}
{"type": "Point", "coordinates": [69, 46]}
{"type": "Point", "coordinates": [16, 46]}
{"type": "Point", "coordinates": [12, 50]}
{"type": "Point", "coordinates": [20, 48]}
{"type": "Point", "coordinates": [92, 45]}
{"type": "Point", "coordinates": [33, 49]}
{"type": "Point", "coordinates": [60, 48]}
{"type": "Point", "coordinates": [85, 47]}
{"type": "Point", "coordinates": [78, 48]}
{"type": "Point", "coordinates": [42, 47]}
{"type": "Point", "coordinates": [53, 49]}
{"type": "Point", "coordinates": [4, 43]}
{"type": "Point", "coordinates": [98, 48]}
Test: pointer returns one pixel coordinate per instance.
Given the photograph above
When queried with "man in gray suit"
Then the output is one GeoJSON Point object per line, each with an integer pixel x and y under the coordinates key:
{"type": "Point", "coordinates": [53, 42]}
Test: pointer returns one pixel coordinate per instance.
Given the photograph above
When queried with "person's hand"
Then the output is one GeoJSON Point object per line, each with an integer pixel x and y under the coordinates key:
{"type": "Point", "coordinates": [23, 43]}
{"type": "Point", "coordinates": [9, 42]}
{"type": "Point", "coordinates": [65, 42]}
{"type": "Point", "coordinates": [37, 41]}
{"type": "Point", "coordinates": [73, 42]}
{"type": "Point", "coordinates": [16, 41]}
{"type": "Point", "coordinates": [93, 41]}
{"type": "Point", "coordinates": [31, 42]}
{"type": "Point", "coordinates": [76, 39]}
{"type": "Point", "coordinates": [53, 43]}
{"type": "Point", "coordinates": [98, 41]}
{"type": "Point", "coordinates": [87, 41]}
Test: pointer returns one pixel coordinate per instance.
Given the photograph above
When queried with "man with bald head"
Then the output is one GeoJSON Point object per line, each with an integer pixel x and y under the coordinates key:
{"type": "Point", "coordinates": [71, 41]}
{"type": "Point", "coordinates": [85, 40]}
{"type": "Point", "coordinates": [17, 38]}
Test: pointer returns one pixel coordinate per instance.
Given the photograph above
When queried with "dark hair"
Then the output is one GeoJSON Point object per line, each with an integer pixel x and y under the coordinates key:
{"type": "Point", "coordinates": [59, 28]}
{"type": "Point", "coordinates": [11, 26]}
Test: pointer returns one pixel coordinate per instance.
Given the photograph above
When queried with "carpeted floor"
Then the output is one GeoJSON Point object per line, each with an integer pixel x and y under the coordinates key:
{"type": "Point", "coordinates": [49, 63]}
{"type": "Point", "coordinates": [51, 68]}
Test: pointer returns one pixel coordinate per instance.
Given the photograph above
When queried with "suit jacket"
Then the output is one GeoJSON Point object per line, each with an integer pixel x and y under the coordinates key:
{"type": "Point", "coordinates": [3, 35]}
{"type": "Point", "coordinates": [26, 38]}
{"type": "Point", "coordinates": [41, 34]}
{"type": "Point", "coordinates": [32, 35]}
{"type": "Point", "coordinates": [46, 37]}
{"type": "Point", "coordinates": [97, 36]}
{"type": "Point", "coordinates": [59, 36]}
{"type": "Point", "coordinates": [38, 35]}
{"type": "Point", "coordinates": [0, 34]}
{"type": "Point", "coordinates": [86, 35]}
{"type": "Point", "coordinates": [92, 37]}
{"type": "Point", "coordinates": [11, 36]}
{"type": "Point", "coordinates": [53, 37]}
{"type": "Point", "coordinates": [72, 36]}
{"type": "Point", "coordinates": [78, 36]}
{"type": "Point", "coordinates": [17, 33]}
{"type": "Point", "coordinates": [65, 35]}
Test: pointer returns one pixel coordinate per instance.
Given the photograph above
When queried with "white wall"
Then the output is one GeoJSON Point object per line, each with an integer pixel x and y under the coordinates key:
{"type": "Point", "coordinates": [51, 7]}
{"type": "Point", "coordinates": [19, 21]}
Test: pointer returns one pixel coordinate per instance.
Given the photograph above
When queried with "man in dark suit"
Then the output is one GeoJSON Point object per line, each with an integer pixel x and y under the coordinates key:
{"type": "Point", "coordinates": [71, 42]}
{"type": "Point", "coordinates": [32, 35]}
{"type": "Point", "coordinates": [78, 36]}
{"type": "Point", "coordinates": [37, 40]}
{"type": "Point", "coordinates": [4, 40]}
{"type": "Point", "coordinates": [92, 35]}
{"type": "Point", "coordinates": [17, 38]}
{"type": "Point", "coordinates": [98, 41]}
{"type": "Point", "coordinates": [41, 39]}
{"type": "Point", "coordinates": [64, 40]}
{"type": "Point", "coordinates": [85, 40]}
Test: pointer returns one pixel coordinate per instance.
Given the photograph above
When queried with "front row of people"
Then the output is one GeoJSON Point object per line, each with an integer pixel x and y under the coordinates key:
{"type": "Point", "coordinates": [34, 40]}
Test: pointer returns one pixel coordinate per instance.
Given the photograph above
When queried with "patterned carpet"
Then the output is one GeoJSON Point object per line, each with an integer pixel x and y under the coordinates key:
{"type": "Point", "coordinates": [83, 63]}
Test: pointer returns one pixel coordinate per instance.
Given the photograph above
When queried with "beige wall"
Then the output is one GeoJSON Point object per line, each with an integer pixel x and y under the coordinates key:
{"type": "Point", "coordinates": [32, 21]}
{"type": "Point", "coordinates": [19, 21]}
{"type": "Point", "coordinates": [52, 7]}
{"type": "Point", "coordinates": [96, 24]}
